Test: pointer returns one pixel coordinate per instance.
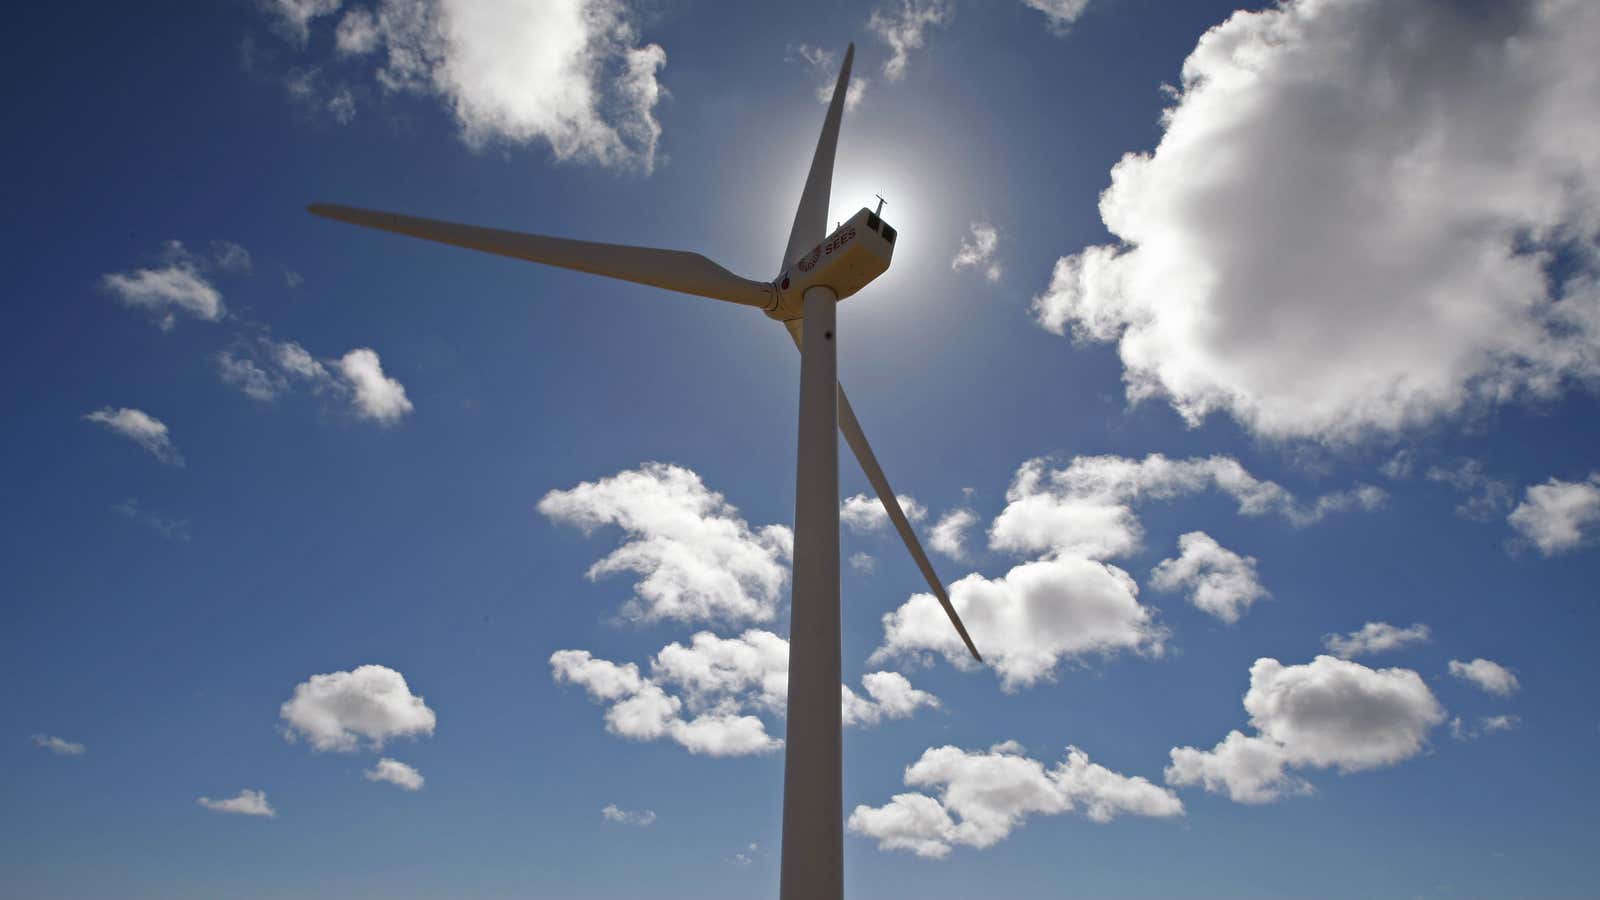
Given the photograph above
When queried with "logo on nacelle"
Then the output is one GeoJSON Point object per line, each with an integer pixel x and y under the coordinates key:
{"type": "Point", "coordinates": [809, 261]}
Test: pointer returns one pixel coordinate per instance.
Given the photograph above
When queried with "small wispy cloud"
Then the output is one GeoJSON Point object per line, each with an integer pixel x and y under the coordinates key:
{"type": "Point", "coordinates": [1488, 675]}
{"type": "Point", "coordinates": [1375, 637]}
{"type": "Point", "coordinates": [903, 27]}
{"type": "Point", "coordinates": [396, 773]}
{"type": "Point", "coordinates": [245, 803]}
{"type": "Point", "coordinates": [169, 527]}
{"type": "Point", "coordinates": [59, 746]}
{"type": "Point", "coordinates": [265, 369]}
{"type": "Point", "coordinates": [180, 283]}
{"type": "Point", "coordinates": [1061, 14]}
{"type": "Point", "coordinates": [142, 428]}
{"type": "Point", "coordinates": [642, 817]}
{"type": "Point", "coordinates": [977, 251]}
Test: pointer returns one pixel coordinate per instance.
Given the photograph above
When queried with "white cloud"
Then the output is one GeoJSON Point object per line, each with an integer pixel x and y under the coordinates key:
{"type": "Point", "coordinates": [396, 773]}
{"type": "Point", "coordinates": [170, 527]}
{"type": "Point", "coordinates": [1375, 637]}
{"type": "Point", "coordinates": [892, 697]}
{"type": "Point", "coordinates": [950, 533]}
{"type": "Point", "coordinates": [727, 673]}
{"type": "Point", "coordinates": [863, 562]}
{"type": "Point", "coordinates": [1329, 713]}
{"type": "Point", "coordinates": [724, 685]}
{"type": "Point", "coordinates": [902, 26]}
{"type": "Point", "coordinates": [335, 711]}
{"type": "Point", "coordinates": [698, 559]}
{"type": "Point", "coordinates": [1328, 242]}
{"type": "Point", "coordinates": [641, 818]}
{"type": "Point", "coordinates": [375, 395]}
{"type": "Point", "coordinates": [1490, 676]}
{"type": "Point", "coordinates": [177, 286]}
{"type": "Point", "coordinates": [977, 251]}
{"type": "Point", "coordinates": [985, 795]}
{"type": "Point", "coordinates": [1060, 13]}
{"type": "Point", "coordinates": [294, 16]}
{"type": "Point", "coordinates": [357, 33]}
{"type": "Point", "coordinates": [571, 74]}
{"type": "Point", "coordinates": [1485, 725]}
{"type": "Point", "coordinates": [1086, 508]}
{"type": "Point", "coordinates": [142, 428]}
{"type": "Point", "coordinates": [245, 374]}
{"type": "Point", "coordinates": [640, 710]}
{"type": "Point", "coordinates": [863, 514]}
{"type": "Point", "coordinates": [59, 746]}
{"type": "Point", "coordinates": [1488, 497]}
{"type": "Point", "coordinates": [246, 803]}
{"type": "Point", "coordinates": [230, 257]}
{"type": "Point", "coordinates": [1219, 581]}
{"type": "Point", "coordinates": [1558, 516]}
{"type": "Point", "coordinates": [265, 369]}
{"type": "Point", "coordinates": [1029, 621]}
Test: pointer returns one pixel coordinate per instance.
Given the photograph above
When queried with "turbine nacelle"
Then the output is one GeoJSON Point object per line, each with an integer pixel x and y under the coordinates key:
{"type": "Point", "coordinates": [845, 261]}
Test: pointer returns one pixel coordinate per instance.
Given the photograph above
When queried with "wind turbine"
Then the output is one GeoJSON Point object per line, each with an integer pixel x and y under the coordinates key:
{"type": "Point", "coordinates": [818, 270]}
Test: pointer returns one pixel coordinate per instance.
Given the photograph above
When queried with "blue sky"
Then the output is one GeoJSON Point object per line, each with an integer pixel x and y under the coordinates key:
{"type": "Point", "coordinates": [1258, 363]}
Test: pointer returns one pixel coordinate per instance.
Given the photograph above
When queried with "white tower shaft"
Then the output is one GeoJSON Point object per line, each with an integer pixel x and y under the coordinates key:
{"type": "Point", "coordinates": [813, 792]}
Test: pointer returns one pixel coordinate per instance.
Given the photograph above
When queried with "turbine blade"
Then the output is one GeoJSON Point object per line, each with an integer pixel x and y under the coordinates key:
{"type": "Point", "coordinates": [811, 219]}
{"type": "Point", "coordinates": [674, 270]}
{"type": "Point", "coordinates": [850, 427]}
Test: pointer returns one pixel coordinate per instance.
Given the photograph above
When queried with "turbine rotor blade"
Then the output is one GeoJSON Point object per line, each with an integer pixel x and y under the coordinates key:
{"type": "Point", "coordinates": [811, 218]}
{"type": "Point", "coordinates": [850, 427]}
{"type": "Point", "coordinates": [675, 270]}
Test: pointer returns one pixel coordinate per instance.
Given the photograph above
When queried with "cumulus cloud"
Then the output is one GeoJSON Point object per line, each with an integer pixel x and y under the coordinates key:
{"type": "Point", "coordinates": [1375, 637]}
{"type": "Point", "coordinates": [709, 696]}
{"type": "Point", "coordinates": [1087, 508]}
{"type": "Point", "coordinates": [863, 562]}
{"type": "Point", "coordinates": [396, 773]}
{"type": "Point", "coordinates": [1328, 241]}
{"type": "Point", "coordinates": [824, 67]}
{"type": "Point", "coordinates": [375, 395]}
{"type": "Point", "coordinates": [698, 559]}
{"type": "Point", "coordinates": [1558, 516]}
{"type": "Point", "coordinates": [950, 533]}
{"type": "Point", "coordinates": [1218, 581]}
{"type": "Point", "coordinates": [1032, 619]}
{"type": "Point", "coordinates": [1059, 13]}
{"type": "Point", "coordinates": [903, 26]}
{"type": "Point", "coordinates": [640, 710]}
{"type": "Point", "coordinates": [977, 251]}
{"type": "Point", "coordinates": [59, 746]}
{"type": "Point", "coordinates": [891, 697]}
{"type": "Point", "coordinates": [863, 514]}
{"type": "Point", "coordinates": [142, 428]}
{"type": "Point", "coordinates": [571, 74]}
{"type": "Point", "coordinates": [246, 803]}
{"type": "Point", "coordinates": [982, 796]}
{"type": "Point", "coordinates": [335, 711]}
{"type": "Point", "coordinates": [1329, 713]}
{"type": "Point", "coordinates": [642, 818]}
{"type": "Point", "coordinates": [176, 286]}
{"type": "Point", "coordinates": [1488, 675]}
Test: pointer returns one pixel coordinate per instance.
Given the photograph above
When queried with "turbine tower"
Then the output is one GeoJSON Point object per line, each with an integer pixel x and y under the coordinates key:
{"type": "Point", "coordinates": [818, 270]}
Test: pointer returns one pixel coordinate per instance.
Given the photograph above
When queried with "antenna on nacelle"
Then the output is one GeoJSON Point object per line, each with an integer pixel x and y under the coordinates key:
{"type": "Point", "coordinates": [881, 202]}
